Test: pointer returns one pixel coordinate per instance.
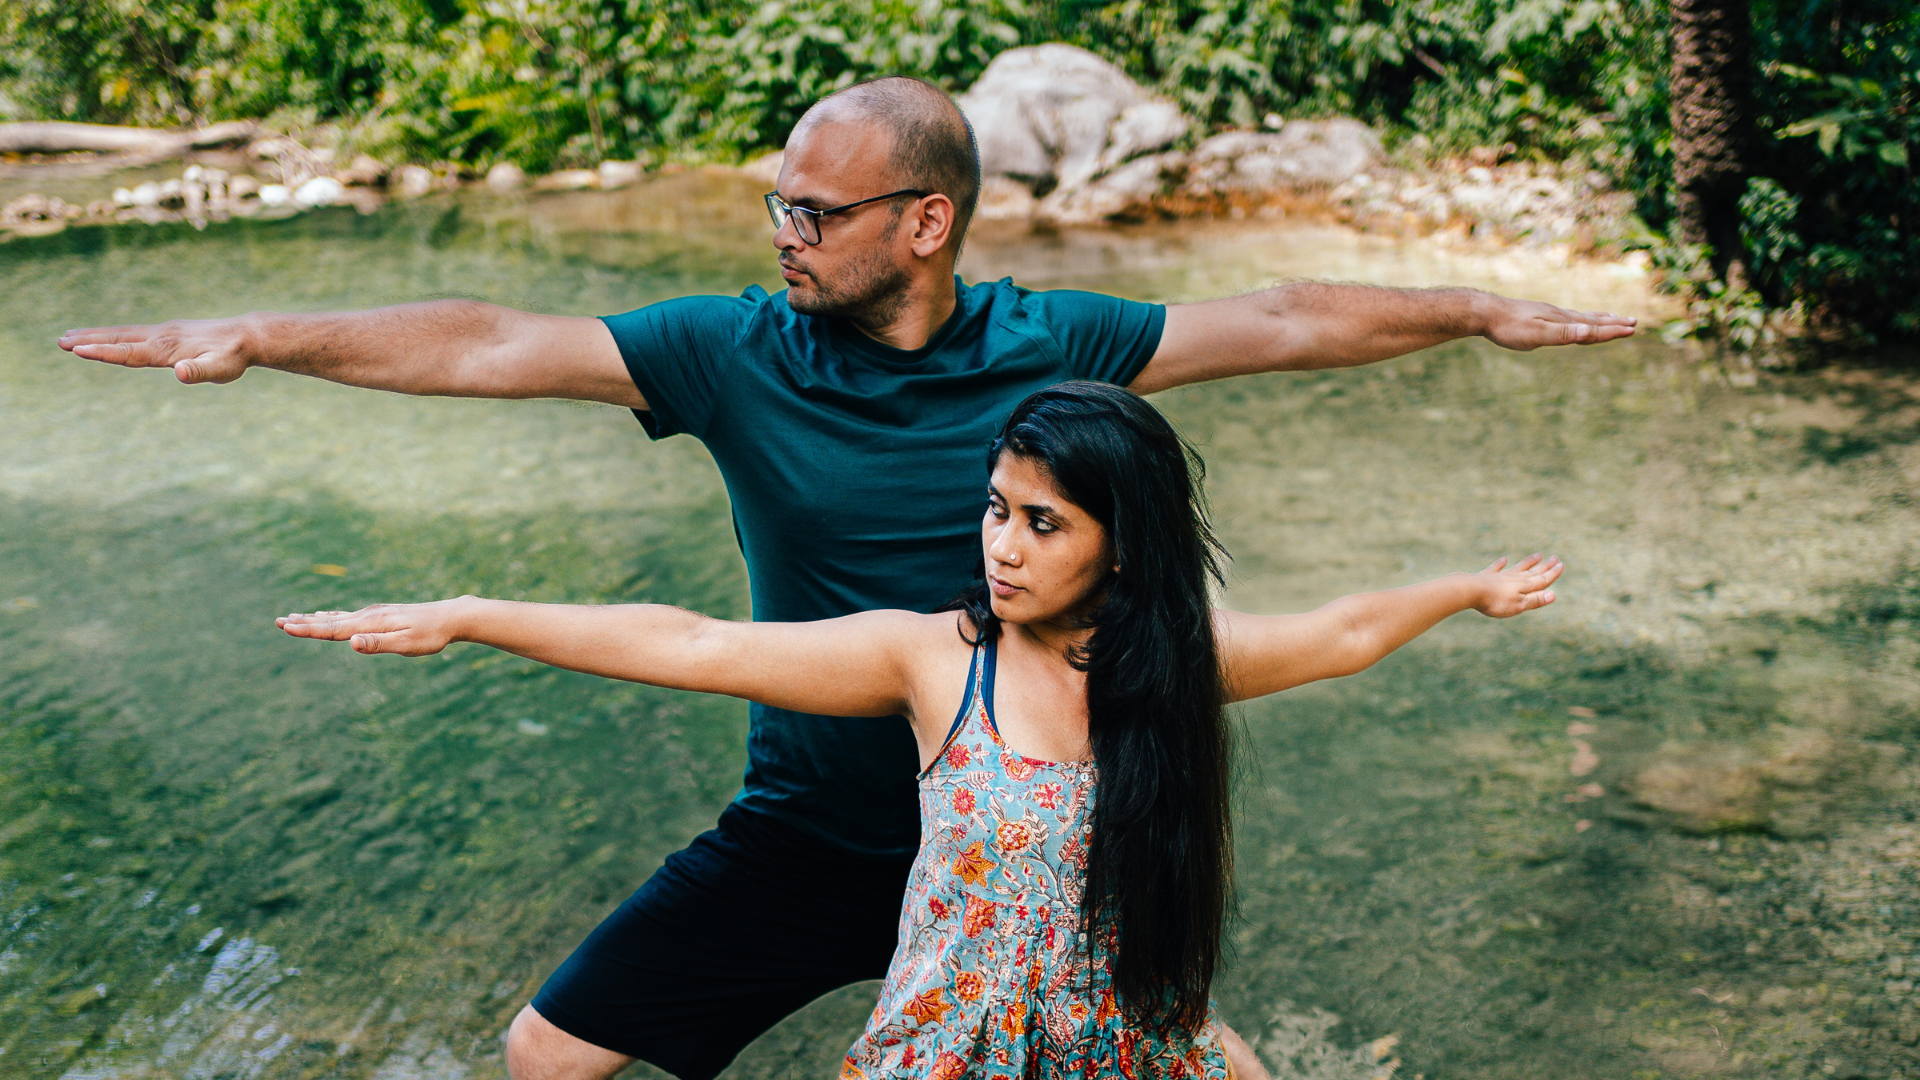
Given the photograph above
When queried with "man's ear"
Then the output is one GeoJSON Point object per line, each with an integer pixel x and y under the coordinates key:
{"type": "Point", "coordinates": [932, 225]}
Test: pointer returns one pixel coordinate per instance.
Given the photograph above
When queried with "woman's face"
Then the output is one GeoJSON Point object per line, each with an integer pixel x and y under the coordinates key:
{"type": "Point", "coordinates": [1046, 557]}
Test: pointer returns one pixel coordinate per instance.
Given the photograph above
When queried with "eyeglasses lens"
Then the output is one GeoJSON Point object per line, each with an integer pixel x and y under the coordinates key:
{"type": "Point", "coordinates": [804, 222]}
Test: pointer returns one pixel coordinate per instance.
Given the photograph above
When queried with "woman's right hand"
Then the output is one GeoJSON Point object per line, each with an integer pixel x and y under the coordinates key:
{"type": "Point", "coordinates": [405, 629]}
{"type": "Point", "coordinates": [1509, 590]}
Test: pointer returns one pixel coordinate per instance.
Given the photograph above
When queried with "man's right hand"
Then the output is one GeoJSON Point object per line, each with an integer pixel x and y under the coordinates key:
{"type": "Point", "coordinates": [198, 350]}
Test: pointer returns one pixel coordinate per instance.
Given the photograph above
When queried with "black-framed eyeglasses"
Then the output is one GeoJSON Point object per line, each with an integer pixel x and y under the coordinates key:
{"type": "Point", "coordinates": [806, 221]}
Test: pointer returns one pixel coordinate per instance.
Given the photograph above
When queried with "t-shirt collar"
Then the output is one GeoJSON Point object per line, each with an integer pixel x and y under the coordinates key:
{"type": "Point", "coordinates": [850, 336]}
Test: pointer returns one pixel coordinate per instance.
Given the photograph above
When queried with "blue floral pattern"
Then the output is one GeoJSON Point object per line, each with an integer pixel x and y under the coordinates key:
{"type": "Point", "coordinates": [994, 977]}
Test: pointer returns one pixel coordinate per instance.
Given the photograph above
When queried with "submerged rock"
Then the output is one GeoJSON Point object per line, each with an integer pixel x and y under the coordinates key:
{"type": "Point", "coordinates": [1704, 795]}
{"type": "Point", "coordinates": [1784, 782]}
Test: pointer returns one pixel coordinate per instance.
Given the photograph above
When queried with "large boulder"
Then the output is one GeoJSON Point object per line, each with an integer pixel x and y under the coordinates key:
{"type": "Point", "coordinates": [1302, 154]}
{"type": "Point", "coordinates": [1055, 117]}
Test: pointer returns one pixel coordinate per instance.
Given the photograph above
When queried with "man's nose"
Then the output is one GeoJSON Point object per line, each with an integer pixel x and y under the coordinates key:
{"type": "Point", "coordinates": [787, 236]}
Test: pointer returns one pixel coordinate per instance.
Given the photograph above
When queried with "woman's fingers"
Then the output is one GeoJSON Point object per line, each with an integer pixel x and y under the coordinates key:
{"type": "Point", "coordinates": [324, 627]}
{"type": "Point", "coordinates": [379, 643]}
{"type": "Point", "coordinates": [340, 625]}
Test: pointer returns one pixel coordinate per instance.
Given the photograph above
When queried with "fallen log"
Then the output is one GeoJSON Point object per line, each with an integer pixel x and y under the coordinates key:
{"type": "Point", "coordinates": [63, 137]}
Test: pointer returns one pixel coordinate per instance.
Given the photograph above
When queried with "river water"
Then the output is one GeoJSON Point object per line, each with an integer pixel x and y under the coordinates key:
{"type": "Point", "coordinates": [1666, 828]}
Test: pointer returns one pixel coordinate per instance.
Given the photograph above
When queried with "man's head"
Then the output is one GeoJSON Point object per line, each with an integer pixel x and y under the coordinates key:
{"type": "Point", "coordinates": [867, 140]}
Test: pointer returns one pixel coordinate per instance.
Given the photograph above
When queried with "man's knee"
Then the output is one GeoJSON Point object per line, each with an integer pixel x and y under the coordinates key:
{"type": "Point", "coordinates": [536, 1050]}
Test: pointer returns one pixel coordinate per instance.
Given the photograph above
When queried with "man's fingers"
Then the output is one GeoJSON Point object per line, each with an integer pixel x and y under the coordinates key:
{"type": "Point", "coordinates": [1601, 328]}
{"type": "Point", "coordinates": [104, 335]}
{"type": "Point", "coordinates": [125, 354]}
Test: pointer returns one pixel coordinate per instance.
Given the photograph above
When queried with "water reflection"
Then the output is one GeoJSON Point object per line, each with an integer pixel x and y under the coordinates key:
{"type": "Point", "coordinates": [227, 854]}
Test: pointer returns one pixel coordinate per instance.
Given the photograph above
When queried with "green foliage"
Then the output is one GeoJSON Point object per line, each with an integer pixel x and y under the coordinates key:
{"type": "Point", "coordinates": [1840, 108]}
{"type": "Point", "coordinates": [755, 81]}
{"type": "Point", "coordinates": [562, 82]}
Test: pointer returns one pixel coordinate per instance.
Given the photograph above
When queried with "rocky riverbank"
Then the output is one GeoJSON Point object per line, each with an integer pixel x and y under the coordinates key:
{"type": "Point", "coordinates": [1066, 139]}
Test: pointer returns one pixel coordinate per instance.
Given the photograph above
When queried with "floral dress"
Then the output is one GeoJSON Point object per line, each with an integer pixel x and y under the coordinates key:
{"type": "Point", "coordinates": [993, 977]}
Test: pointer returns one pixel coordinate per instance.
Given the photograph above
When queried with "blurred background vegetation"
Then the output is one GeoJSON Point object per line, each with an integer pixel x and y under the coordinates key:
{"type": "Point", "coordinates": [1827, 215]}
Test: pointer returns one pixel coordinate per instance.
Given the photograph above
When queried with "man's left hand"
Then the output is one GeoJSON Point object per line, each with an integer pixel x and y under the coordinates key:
{"type": "Point", "coordinates": [1525, 325]}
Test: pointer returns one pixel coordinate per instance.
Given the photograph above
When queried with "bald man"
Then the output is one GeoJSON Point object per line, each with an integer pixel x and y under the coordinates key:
{"type": "Point", "coordinates": [848, 415]}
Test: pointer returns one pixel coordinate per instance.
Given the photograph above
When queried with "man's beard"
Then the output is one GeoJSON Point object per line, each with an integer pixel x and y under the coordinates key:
{"type": "Point", "coordinates": [870, 291]}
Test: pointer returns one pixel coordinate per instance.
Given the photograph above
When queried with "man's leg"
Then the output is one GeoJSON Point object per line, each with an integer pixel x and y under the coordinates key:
{"type": "Point", "coordinates": [536, 1050]}
{"type": "Point", "coordinates": [749, 923]}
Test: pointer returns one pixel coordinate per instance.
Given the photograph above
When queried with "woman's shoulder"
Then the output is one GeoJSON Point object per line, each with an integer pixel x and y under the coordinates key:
{"type": "Point", "coordinates": [941, 630]}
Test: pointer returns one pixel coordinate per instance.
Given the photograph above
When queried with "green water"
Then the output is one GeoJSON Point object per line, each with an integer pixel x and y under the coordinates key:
{"type": "Point", "coordinates": [226, 853]}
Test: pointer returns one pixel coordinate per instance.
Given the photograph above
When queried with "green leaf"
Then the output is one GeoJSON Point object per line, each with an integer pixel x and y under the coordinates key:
{"type": "Point", "coordinates": [1894, 154]}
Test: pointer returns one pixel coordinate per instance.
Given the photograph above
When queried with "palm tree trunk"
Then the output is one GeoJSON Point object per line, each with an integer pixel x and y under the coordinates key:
{"type": "Point", "coordinates": [1712, 92]}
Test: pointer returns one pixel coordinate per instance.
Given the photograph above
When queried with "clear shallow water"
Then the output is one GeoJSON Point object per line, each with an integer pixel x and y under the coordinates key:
{"type": "Point", "coordinates": [225, 853]}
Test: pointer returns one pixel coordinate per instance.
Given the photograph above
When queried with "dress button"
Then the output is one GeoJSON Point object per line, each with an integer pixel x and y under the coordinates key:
{"type": "Point", "coordinates": [1083, 937]}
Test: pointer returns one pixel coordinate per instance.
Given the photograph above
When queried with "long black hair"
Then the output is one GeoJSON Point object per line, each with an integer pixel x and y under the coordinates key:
{"type": "Point", "coordinates": [1160, 863]}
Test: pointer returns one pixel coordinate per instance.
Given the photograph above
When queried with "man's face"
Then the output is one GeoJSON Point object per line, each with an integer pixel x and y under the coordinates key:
{"type": "Point", "coordinates": [859, 270]}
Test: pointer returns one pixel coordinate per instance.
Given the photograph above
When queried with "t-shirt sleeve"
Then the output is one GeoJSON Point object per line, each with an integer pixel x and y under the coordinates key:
{"type": "Point", "coordinates": [1104, 338]}
{"type": "Point", "coordinates": [677, 351]}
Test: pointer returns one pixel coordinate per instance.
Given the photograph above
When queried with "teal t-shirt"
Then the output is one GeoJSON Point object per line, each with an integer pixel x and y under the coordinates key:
{"type": "Point", "coordinates": [858, 477]}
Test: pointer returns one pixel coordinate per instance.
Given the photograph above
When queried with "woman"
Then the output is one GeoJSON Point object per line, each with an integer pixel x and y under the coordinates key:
{"type": "Point", "coordinates": [1061, 917]}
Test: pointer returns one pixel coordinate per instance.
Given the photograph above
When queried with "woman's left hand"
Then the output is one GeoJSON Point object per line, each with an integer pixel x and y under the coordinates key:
{"type": "Point", "coordinates": [1507, 591]}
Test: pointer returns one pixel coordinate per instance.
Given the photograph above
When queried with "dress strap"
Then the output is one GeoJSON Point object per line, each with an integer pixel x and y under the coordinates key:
{"type": "Point", "coordinates": [966, 702]}
{"type": "Point", "coordinates": [986, 684]}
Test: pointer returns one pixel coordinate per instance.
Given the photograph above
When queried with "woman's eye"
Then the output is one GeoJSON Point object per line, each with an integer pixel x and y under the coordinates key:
{"type": "Point", "coordinates": [1043, 526]}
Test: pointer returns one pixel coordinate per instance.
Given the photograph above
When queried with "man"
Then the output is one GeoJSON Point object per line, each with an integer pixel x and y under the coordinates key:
{"type": "Point", "coordinates": [847, 415]}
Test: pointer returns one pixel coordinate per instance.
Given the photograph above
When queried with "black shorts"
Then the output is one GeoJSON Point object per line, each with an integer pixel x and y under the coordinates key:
{"type": "Point", "coordinates": [742, 928]}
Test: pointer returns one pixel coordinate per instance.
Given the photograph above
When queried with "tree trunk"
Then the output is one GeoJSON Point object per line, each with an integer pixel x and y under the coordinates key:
{"type": "Point", "coordinates": [1712, 93]}
{"type": "Point", "coordinates": [59, 137]}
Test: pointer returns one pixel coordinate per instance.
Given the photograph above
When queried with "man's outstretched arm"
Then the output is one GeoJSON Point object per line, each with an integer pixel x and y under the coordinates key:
{"type": "Point", "coordinates": [1310, 325]}
{"type": "Point", "coordinates": [450, 348]}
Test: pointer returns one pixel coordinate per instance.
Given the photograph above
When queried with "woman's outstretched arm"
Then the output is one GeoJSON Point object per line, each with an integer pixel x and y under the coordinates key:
{"type": "Point", "coordinates": [1264, 654]}
{"type": "Point", "coordinates": [859, 665]}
